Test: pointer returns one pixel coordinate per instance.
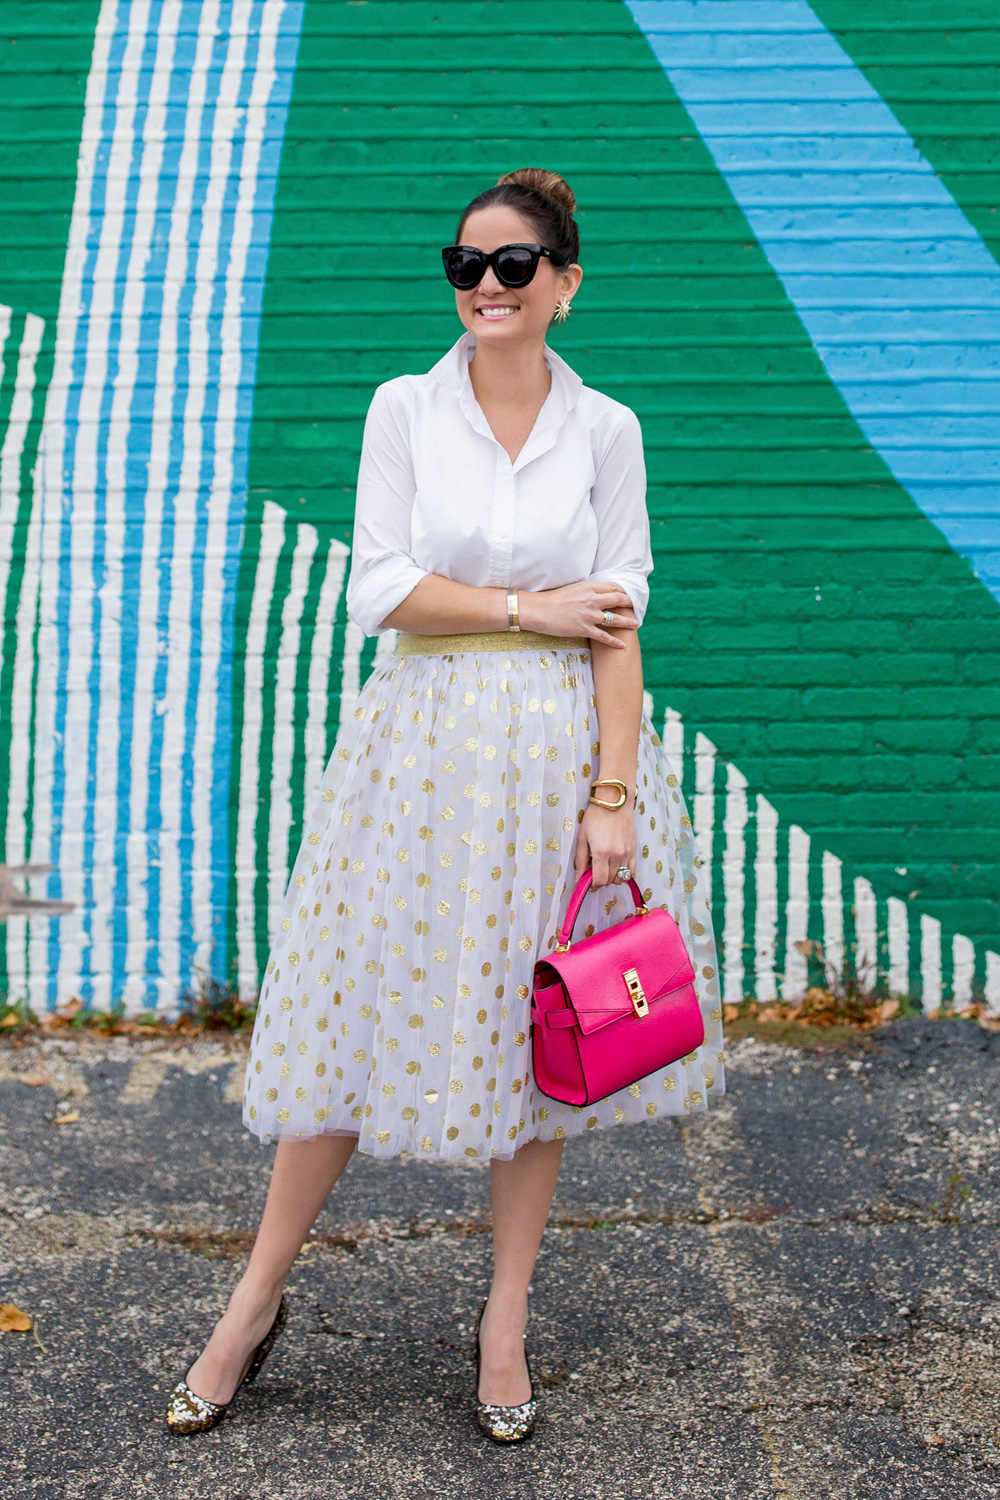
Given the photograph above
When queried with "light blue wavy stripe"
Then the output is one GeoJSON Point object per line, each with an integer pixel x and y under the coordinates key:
{"type": "Point", "coordinates": [895, 287]}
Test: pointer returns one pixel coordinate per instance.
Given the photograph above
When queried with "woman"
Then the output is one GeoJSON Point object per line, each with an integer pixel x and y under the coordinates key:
{"type": "Point", "coordinates": [501, 528]}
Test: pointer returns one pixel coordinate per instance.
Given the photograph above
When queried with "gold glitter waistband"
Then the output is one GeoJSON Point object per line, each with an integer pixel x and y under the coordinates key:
{"type": "Point", "coordinates": [488, 640]}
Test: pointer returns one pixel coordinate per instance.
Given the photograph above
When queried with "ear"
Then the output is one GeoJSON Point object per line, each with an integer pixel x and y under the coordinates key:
{"type": "Point", "coordinates": [569, 280]}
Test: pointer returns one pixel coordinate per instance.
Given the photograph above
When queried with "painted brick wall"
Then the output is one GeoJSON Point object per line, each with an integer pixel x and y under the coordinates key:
{"type": "Point", "coordinates": [822, 646]}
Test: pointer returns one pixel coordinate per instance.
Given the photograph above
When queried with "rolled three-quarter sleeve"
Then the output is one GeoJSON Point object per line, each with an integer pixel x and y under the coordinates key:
{"type": "Point", "coordinates": [619, 501]}
{"type": "Point", "coordinates": [383, 572]}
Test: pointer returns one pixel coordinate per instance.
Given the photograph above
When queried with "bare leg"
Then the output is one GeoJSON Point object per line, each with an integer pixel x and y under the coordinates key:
{"type": "Point", "coordinates": [522, 1190]}
{"type": "Point", "coordinates": [304, 1172]}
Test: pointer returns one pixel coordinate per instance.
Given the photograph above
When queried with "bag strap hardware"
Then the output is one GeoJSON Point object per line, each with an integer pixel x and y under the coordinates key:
{"type": "Point", "coordinates": [639, 1002]}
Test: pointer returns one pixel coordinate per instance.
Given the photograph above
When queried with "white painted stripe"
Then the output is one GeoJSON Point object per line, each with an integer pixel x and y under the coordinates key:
{"type": "Point", "coordinates": [930, 962]}
{"type": "Point", "coordinates": [272, 536]}
{"type": "Point", "coordinates": [673, 743]}
{"type": "Point", "coordinates": [350, 673]}
{"type": "Point", "coordinates": [895, 287]}
{"type": "Point", "coordinates": [11, 456]}
{"type": "Point", "coordinates": [279, 852]}
{"type": "Point", "coordinates": [385, 646]}
{"type": "Point", "coordinates": [733, 881]}
{"type": "Point", "coordinates": [793, 985]}
{"type": "Point", "coordinates": [991, 992]}
{"type": "Point", "coordinates": [48, 494]}
{"type": "Point", "coordinates": [12, 451]}
{"type": "Point", "coordinates": [898, 938]}
{"type": "Point", "coordinates": [226, 120]}
{"type": "Point", "coordinates": [963, 970]}
{"type": "Point", "coordinates": [85, 545]}
{"type": "Point", "coordinates": [104, 859]}
{"type": "Point", "coordinates": [15, 927]}
{"type": "Point", "coordinates": [765, 870]}
{"type": "Point", "coordinates": [5, 317]}
{"type": "Point", "coordinates": [865, 934]}
{"type": "Point", "coordinates": [320, 660]}
{"type": "Point", "coordinates": [704, 806]}
{"type": "Point", "coordinates": [148, 644]}
{"type": "Point", "coordinates": [18, 979]}
{"type": "Point", "coordinates": [205, 770]}
{"type": "Point", "coordinates": [833, 916]}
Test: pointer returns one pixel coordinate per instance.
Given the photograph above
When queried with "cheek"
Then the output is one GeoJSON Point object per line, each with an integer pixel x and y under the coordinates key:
{"type": "Point", "coordinates": [542, 299]}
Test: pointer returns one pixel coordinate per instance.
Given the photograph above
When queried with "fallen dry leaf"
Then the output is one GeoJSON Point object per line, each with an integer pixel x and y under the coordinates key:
{"type": "Point", "coordinates": [10, 1019]}
{"type": "Point", "coordinates": [68, 1008]}
{"type": "Point", "coordinates": [69, 1118]}
{"type": "Point", "coordinates": [34, 1080]}
{"type": "Point", "coordinates": [12, 1319]}
{"type": "Point", "coordinates": [732, 1012]}
{"type": "Point", "coordinates": [888, 1009]}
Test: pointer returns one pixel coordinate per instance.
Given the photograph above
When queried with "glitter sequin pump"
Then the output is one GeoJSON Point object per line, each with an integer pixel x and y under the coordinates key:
{"type": "Point", "coordinates": [504, 1424]}
{"type": "Point", "coordinates": [188, 1413]}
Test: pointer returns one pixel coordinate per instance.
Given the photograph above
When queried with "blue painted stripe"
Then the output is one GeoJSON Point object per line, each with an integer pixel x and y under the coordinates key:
{"type": "Point", "coordinates": [897, 290]}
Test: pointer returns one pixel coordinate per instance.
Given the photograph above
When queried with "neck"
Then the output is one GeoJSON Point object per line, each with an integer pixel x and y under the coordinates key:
{"type": "Point", "coordinates": [498, 373]}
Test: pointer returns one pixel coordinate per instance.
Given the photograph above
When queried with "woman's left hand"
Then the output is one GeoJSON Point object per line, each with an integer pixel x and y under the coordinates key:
{"type": "Point", "coordinates": [606, 841]}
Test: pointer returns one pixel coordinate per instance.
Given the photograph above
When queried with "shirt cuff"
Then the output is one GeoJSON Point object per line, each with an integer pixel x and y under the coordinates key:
{"type": "Point", "coordinates": [632, 583]}
{"type": "Point", "coordinates": [380, 591]}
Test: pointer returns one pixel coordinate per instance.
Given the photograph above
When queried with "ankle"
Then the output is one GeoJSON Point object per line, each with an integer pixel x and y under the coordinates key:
{"type": "Point", "coordinates": [249, 1303]}
{"type": "Point", "coordinates": [507, 1305]}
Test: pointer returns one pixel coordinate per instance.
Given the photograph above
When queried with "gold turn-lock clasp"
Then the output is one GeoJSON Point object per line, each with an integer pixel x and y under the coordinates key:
{"type": "Point", "coordinates": [639, 1002]}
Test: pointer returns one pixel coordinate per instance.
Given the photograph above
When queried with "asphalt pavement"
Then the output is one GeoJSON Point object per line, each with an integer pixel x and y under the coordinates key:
{"type": "Point", "coordinates": [794, 1295]}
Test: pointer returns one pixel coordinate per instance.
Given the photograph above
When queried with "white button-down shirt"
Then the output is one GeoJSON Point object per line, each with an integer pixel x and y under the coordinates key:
{"type": "Point", "coordinates": [438, 494]}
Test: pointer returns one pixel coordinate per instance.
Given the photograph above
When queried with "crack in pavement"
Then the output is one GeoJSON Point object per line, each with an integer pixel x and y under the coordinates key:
{"type": "Point", "coordinates": [37, 1231]}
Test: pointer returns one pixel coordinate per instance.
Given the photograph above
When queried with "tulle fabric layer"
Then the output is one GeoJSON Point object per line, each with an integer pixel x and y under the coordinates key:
{"type": "Point", "coordinates": [435, 867]}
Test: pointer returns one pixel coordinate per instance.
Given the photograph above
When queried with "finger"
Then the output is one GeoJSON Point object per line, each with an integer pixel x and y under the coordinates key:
{"type": "Point", "coordinates": [601, 874]}
{"type": "Point", "coordinates": [582, 859]}
{"type": "Point", "coordinates": [624, 622]}
{"type": "Point", "coordinates": [614, 590]}
{"type": "Point", "coordinates": [605, 639]}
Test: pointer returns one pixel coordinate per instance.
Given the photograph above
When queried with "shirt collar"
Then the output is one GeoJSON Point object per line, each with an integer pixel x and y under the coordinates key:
{"type": "Point", "coordinates": [452, 372]}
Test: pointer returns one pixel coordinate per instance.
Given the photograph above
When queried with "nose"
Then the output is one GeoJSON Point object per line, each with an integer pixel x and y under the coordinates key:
{"type": "Point", "coordinates": [491, 286]}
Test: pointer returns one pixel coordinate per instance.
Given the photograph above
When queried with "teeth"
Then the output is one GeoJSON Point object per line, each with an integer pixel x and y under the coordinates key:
{"type": "Point", "coordinates": [496, 312]}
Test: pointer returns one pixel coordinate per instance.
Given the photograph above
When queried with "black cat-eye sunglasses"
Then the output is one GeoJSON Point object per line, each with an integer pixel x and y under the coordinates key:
{"type": "Point", "coordinates": [514, 265]}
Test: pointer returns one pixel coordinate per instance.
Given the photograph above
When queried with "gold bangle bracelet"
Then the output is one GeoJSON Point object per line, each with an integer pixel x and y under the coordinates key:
{"type": "Point", "coordinates": [610, 781]}
{"type": "Point", "coordinates": [512, 620]}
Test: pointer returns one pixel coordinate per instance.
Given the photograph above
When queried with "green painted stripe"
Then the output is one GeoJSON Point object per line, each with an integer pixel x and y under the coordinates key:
{"type": "Point", "coordinates": [936, 63]}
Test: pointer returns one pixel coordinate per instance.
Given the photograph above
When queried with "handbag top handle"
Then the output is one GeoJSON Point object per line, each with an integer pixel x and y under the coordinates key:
{"type": "Point", "coordinates": [565, 932]}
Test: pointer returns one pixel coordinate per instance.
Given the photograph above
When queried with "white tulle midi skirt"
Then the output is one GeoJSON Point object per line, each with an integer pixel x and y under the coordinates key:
{"type": "Point", "coordinates": [435, 868]}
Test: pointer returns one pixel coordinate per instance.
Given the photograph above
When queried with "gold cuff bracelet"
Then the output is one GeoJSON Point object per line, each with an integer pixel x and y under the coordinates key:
{"type": "Point", "coordinates": [622, 790]}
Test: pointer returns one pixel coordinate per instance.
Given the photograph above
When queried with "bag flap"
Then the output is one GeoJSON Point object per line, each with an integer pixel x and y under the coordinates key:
{"type": "Point", "coordinates": [592, 972]}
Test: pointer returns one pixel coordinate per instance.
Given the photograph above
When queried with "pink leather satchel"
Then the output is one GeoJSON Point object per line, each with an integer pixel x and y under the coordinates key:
{"type": "Point", "coordinates": [614, 1007]}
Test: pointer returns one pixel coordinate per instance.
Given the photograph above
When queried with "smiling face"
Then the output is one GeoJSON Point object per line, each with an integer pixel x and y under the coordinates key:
{"type": "Point", "coordinates": [499, 314]}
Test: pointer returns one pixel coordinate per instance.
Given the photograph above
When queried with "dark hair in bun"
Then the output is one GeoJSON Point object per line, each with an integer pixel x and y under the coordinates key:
{"type": "Point", "coordinates": [543, 198]}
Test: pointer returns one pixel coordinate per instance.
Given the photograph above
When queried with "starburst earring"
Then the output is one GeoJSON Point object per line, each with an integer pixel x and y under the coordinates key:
{"type": "Point", "coordinates": [563, 309]}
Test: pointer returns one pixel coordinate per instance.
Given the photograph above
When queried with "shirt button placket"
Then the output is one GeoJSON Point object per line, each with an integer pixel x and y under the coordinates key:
{"type": "Point", "coordinates": [502, 536]}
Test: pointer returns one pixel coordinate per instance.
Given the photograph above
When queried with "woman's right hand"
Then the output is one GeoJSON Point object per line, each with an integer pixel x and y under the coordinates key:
{"type": "Point", "coordinates": [578, 609]}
